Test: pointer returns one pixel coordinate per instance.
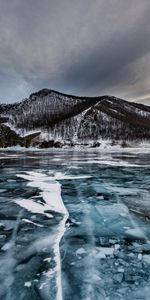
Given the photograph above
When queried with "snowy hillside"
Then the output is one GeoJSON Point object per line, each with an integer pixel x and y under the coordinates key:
{"type": "Point", "coordinates": [68, 118]}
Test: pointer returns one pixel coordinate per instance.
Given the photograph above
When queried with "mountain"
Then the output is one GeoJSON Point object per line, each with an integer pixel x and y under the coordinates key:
{"type": "Point", "coordinates": [56, 118]}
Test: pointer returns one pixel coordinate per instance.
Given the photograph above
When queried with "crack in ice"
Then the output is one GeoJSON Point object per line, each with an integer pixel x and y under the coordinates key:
{"type": "Point", "coordinates": [51, 194]}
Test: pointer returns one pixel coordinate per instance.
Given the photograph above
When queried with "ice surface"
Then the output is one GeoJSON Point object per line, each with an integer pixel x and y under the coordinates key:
{"type": "Point", "coordinates": [136, 233]}
{"type": "Point", "coordinates": [75, 230]}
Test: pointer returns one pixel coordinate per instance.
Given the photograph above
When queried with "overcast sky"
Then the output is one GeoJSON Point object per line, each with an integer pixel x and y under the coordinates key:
{"type": "Point", "coordinates": [84, 47]}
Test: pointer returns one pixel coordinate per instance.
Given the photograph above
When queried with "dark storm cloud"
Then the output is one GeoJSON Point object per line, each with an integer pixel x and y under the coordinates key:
{"type": "Point", "coordinates": [81, 47]}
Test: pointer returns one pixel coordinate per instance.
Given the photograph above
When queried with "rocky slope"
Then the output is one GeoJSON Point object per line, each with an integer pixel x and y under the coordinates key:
{"type": "Point", "coordinates": [57, 118]}
{"type": "Point", "coordinates": [10, 138]}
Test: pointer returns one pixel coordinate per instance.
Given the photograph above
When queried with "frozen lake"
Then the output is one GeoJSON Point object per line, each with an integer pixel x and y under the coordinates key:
{"type": "Point", "coordinates": [75, 225]}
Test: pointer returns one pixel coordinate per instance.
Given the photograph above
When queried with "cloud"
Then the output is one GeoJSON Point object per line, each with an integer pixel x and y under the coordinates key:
{"type": "Point", "coordinates": [81, 47]}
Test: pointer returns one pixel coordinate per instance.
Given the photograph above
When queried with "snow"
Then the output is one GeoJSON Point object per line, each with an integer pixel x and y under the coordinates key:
{"type": "Point", "coordinates": [33, 207]}
{"type": "Point", "coordinates": [60, 233]}
{"type": "Point", "coordinates": [51, 193]}
{"type": "Point", "coordinates": [48, 259]}
{"type": "Point", "coordinates": [61, 176]}
{"type": "Point", "coordinates": [38, 114]}
{"type": "Point", "coordinates": [30, 222]}
{"type": "Point", "coordinates": [105, 147]}
{"type": "Point", "coordinates": [28, 284]}
{"type": "Point", "coordinates": [80, 251]}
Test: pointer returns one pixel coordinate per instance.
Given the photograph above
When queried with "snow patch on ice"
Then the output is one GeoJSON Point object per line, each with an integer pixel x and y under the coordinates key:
{"type": "Point", "coordinates": [28, 221]}
{"type": "Point", "coordinates": [33, 207]}
{"type": "Point", "coordinates": [48, 259]}
{"type": "Point", "coordinates": [28, 284]}
{"type": "Point", "coordinates": [80, 251]}
{"type": "Point", "coordinates": [51, 193]}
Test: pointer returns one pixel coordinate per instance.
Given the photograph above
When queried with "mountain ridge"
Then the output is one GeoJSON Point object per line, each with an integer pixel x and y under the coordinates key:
{"type": "Point", "coordinates": [72, 118]}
